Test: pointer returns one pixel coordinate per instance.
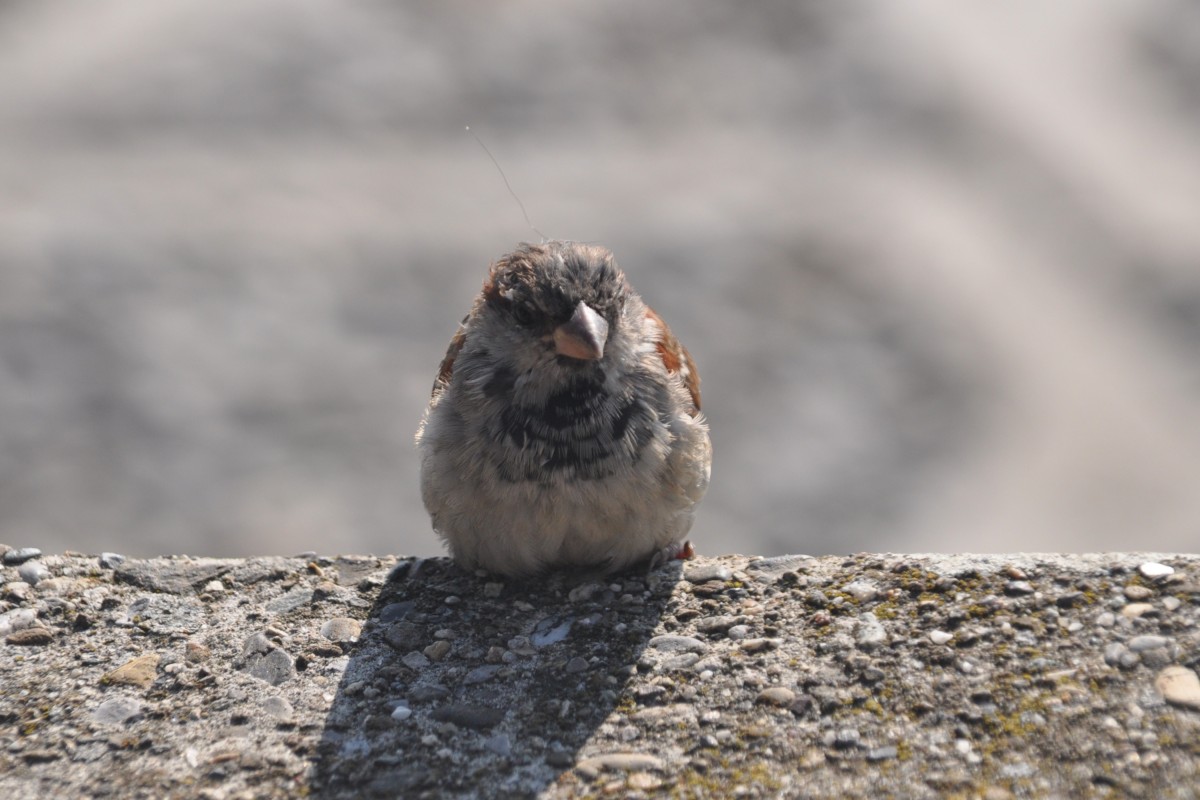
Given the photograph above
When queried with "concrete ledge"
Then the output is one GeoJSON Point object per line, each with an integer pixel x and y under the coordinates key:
{"type": "Point", "coordinates": [872, 675]}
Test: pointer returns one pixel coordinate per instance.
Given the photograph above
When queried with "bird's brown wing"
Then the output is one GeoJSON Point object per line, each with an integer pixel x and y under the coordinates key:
{"type": "Point", "coordinates": [677, 360]}
{"type": "Point", "coordinates": [447, 368]}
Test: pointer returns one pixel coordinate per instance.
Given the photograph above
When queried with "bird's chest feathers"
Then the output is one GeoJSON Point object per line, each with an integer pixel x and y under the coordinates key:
{"type": "Point", "coordinates": [583, 427]}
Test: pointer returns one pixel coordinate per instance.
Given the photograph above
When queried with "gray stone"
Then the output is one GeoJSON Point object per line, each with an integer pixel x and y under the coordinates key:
{"type": "Point", "coordinates": [117, 711]}
{"type": "Point", "coordinates": [279, 708]}
{"type": "Point", "coordinates": [712, 625]}
{"type": "Point", "coordinates": [264, 660]}
{"type": "Point", "coordinates": [882, 753]}
{"type": "Point", "coordinates": [681, 661]}
{"type": "Point", "coordinates": [482, 674]}
{"type": "Point", "coordinates": [33, 572]}
{"type": "Point", "coordinates": [551, 630]}
{"type": "Point", "coordinates": [296, 597]}
{"type": "Point", "coordinates": [772, 569]}
{"type": "Point", "coordinates": [426, 692]}
{"type": "Point", "coordinates": [703, 573]}
{"type": "Point", "coordinates": [673, 643]}
{"type": "Point", "coordinates": [167, 615]}
{"type": "Point", "coordinates": [405, 636]}
{"type": "Point", "coordinates": [174, 577]}
{"type": "Point", "coordinates": [415, 661]}
{"type": "Point", "coordinates": [20, 555]}
{"type": "Point", "coordinates": [738, 632]}
{"type": "Point", "coordinates": [468, 715]}
{"type": "Point", "coordinates": [870, 632]}
{"type": "Point", "coordinates": [394, 612]}
{"type": "Point", "coordinates": [1140, 644]}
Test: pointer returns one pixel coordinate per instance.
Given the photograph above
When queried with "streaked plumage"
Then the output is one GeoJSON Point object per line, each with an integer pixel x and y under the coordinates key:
{"type": "Point", "coordinates": [564, 428]}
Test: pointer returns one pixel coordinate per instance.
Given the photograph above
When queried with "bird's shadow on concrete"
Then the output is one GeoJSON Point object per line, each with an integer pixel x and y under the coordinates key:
{"type": "Point", "coordinates": [465, 686]}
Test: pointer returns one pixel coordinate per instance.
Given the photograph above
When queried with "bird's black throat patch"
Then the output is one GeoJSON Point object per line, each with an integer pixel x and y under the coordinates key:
{"type": "Point", "coordinates": [579, 432]}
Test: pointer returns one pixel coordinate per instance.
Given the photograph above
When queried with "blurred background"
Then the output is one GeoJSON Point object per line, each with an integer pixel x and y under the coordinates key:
{"type": "Point", "coordinates": [939, 263]}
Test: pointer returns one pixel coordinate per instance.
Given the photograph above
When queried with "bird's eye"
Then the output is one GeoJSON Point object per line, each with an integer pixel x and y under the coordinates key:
{"type": "Point", "coordinates": [523, 314]}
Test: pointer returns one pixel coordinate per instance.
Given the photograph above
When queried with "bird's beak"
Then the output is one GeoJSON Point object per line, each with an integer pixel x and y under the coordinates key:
{"type": "Point", "coordinates": [582, 336]}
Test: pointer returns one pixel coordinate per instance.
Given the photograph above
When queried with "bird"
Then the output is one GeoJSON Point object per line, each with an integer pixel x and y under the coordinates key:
{"type": "Point", "coordinates": [564, 429]}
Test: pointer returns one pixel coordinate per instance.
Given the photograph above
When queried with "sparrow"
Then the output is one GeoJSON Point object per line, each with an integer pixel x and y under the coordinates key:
{"type": "Point", "coordinates": [564, 430]}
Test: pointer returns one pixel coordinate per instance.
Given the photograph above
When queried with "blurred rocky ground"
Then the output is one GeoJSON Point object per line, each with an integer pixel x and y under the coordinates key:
{"type": "Point", "coordinates": [939, 264]}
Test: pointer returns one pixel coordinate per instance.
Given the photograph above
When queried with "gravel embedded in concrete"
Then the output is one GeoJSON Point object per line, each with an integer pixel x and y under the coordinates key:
{"type": "Point", "coordinates": [791, 676]}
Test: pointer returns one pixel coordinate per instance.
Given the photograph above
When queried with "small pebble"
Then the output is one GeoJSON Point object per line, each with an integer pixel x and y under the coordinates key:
{"type": "Point", "coordinates": [16, 591]}
{"type": "Point", "coordinates": [467, 715]}
{"type": "Point", "coordinates": [20, 555]}
{"type": "Point", "coordinates": [521, 646]}
{"type": "Point", "coordinates": [758, 645]}
{"type": "Point", "coordinates": [703, 573]}
{"type": "Point", "coordinates": [500, 744]}
{"type": "Point", "coordinates": [279, 708]}
{"type": "Point", "coordinates": [482, 674]}
{"type": "Point", "coordinates": [738, 632]}
{"type": "Point", "coordinates": [870, 632]}
{"type": "Point", "coordinates": [624, 762]}
{"type": "Point", "coordinates": [585, 592]}
{"type": "Point", "coordinates": [401, 713]}
{"type": "Point", "coordinates": [117, 711]}
{"type": "Point", "coordinates": [1152, 569]}
{"type": "Point", "coordinates": [1135, 610]}
{"type": "Point", "coordinates": [111, 560]}
{"type": "Point", "coordinates": [341, 629]}
{"type": "Point", "coordinates": [672, 643]}
{"type": "Point", "coordinates": [415, 661]}
{"type": "Point", "coordinates": [424, 692]}
{"type": "Point", "coordinates": [643, 781]}
{"type": "Point", "coordinates": [776, 696]}
{"type": "Point", "coordinates": [395, 612]}
{"type": "Point", "coordinates": [1019, 588]}
{"type": "Point", "coordinates": [139, 672]}
{"type": "Point", "coordinates": [862, 590]}
{"type": "Point", "coordinates": [33, 572]}
{"type": "Point", "coordinates": [1106, 619]}
{"type": "Point", "coordinates": [1171, 603]}
{"type": "Point", "coordinates": [29, 637]}
{"type": "Point", "coordinates": [493, 589]}
{"type": "Point", "coordinates": [1137, 592]}
{"type": "Point", "coordinates": [1140, 644]}
{"type": "Point", "coordinates": [1180, 686]}
{"type": "Point", "coordinates": [1113, 653]}
{"type": "Point", "coordinates": [576, 665]}
{"type": "Point", "coordinates": [196, 653]}
{"type": "Point", "coordinates": [438, 650]}
{"type": "Point", "coordinates": [846, 738]}
{"type": "Point", "coordinates": [882, 753]}
{"type": "Point", "coordinates": [940, 637]}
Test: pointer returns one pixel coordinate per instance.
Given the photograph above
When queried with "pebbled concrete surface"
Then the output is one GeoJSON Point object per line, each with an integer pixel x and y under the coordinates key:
{"type": "Point", "coordinates": [873, 675]}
